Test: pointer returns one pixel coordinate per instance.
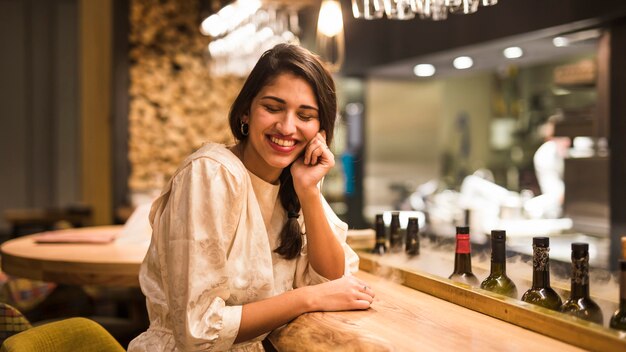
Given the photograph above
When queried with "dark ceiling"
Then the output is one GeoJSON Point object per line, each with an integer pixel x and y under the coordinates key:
{"type": "Point", "coordinates": [372, 44]}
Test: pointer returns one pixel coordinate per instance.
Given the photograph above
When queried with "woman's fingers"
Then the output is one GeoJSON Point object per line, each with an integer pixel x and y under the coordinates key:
{"type": "Point", "coordinates": [362, 304]}
{"type": "Point", "coordinates": [363, 296]}
{"type": "Point", "coordinates": [315, 149]}
{"type": "Point", "coordinates": [317, 153]}
{"type": "Point", "coordinates": [369, 291]}
{"type": "Point", "coordinates": [363, 288]}
{"type": "Point", "coordinates": [312, 146]}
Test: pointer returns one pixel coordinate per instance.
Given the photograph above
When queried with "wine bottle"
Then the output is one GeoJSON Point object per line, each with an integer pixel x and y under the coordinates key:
{"type": "Point", "coordinates": [618, 320]}
{"type": "Point", "coordinates": [395, 234]}
{"type": "Point", "coordinates": [497, 281]}
{"type": "Point", "coordinates": [412, 239]}
{"type": "Point", "coordinates": [580, 304]}
{"type": "Point", "coordinates": [541, 293]}
{"type": "Point", "coordinates": [463, 258]}
{"type": "Point", "coordinates": [380, 247]}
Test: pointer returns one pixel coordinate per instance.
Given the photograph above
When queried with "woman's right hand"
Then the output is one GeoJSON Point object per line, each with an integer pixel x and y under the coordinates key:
{"type": "Point", "coordinates": [345, 293]}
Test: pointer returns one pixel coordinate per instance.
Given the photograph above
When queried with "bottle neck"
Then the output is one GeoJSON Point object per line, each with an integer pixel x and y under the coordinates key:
{"type": "Point", "coordinates": [580, 277]}
{"type": "Point", "coordinates": [462, 244]}
{"type": "Point", "coordinates": [579, 290]}
{"type": "Point", "coordinates": [411, 229]}
{"type": "Point", "coordinates": [622, 305]}
{"type": "Point", "coordinates": [498, 258]}
{"type": "Point", "coordinates": [380, 232]}
{"type": "Point", "coordinates": [394, 226]}
{"type": "Point", "coordinates": [462, 263]}
{"type": "Point", "coordinates": [463, 256]}
{"type": "Point", "coordinates": [395, 238]}
{"type": "Point", "coordinates": [622, 291]}
{"type": "Point", "coordinates": [541, 267]}
{"type": "Point", "coordinates": [498, 269]}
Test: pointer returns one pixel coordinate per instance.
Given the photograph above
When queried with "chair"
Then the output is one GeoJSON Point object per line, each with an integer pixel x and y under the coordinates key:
{"type": "Point", "coordinates": [74, 334]}
{"type": "Point", "coordinates": [11, 321]}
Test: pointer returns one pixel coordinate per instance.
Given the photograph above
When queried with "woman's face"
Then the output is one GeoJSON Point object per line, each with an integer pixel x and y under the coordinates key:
{"type": "Point", "coordinates": [283, 118]}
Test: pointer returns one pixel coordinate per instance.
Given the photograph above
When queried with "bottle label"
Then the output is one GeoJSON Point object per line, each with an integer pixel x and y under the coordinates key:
{"type": "Point", "coordinates": [541, 258]}
{"type": "Point", "coordinates": [580, 270]}
{"type": "Point", "coordinates": [462, 243]}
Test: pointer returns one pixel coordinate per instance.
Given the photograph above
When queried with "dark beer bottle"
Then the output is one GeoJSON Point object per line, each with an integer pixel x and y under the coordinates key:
{"type": "Point", "coordinates": [412, 238]}
{"type": "Point", "coordinates": [395, 233]}
{"type": "Point", "coordinates": [541, 293]}
{"type": "Point", "coordinates": [463, 258]}
{"type": "Point", "coordinates": [618, 320]}
{"type": "Point", "coordinates": [380, 247]}
{"type": "Point", "coordinates": [497, 281]}
{"type": "Point", "coordinates": [580, 304]}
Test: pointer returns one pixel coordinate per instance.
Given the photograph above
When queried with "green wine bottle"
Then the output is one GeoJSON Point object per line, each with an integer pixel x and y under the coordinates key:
{"type": "Point", "coordinates": [380, 248]}
{"type": "Point", "coordinates": [412, 237]}
{"type": "Point", "coordinates": [541, 293]}
{"type": "Point", "coordinates": [497, 281]}
{"type": "Point", "coordinates": [580, 304]}
{"type": "Point", "coordinates": [618, 320]}
{"type": "Point", "coordinates": [395, 233]}
{"type": "Point", "coordinates": [463, 258]}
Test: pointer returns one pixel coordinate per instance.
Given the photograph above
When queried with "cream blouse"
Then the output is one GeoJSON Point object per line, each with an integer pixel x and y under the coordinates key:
{"type": "Point", "coordinates": [215, 228]}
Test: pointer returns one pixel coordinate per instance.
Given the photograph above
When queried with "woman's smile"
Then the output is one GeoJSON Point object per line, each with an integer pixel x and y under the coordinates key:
{"type": "Point", "coordinates": [282, 143]}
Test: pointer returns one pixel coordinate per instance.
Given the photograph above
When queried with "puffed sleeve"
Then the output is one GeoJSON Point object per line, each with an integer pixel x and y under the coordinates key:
{"type": "Point", "coordinates": [305, 274]}
{"type": "Point", "coordinates": [195, 228]}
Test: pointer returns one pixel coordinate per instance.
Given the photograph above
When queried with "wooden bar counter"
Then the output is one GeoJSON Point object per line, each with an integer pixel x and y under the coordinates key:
{"type": "Point", "coordinates": [403, 319]}
{"type": "Point", "coordinates": [415, 311]}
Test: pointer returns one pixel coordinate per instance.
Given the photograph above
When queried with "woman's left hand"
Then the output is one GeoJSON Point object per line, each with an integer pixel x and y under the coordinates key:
{"type": "Point", "coordinates": [316, 161]}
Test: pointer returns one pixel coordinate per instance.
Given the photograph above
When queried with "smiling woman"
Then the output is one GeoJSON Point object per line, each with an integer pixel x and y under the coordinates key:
{"type": "Point", "coordinates": [231, 257]}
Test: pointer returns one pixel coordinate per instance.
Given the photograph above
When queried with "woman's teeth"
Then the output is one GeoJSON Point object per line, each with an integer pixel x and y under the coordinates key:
{"type": "Point", "coordinates": [283, 142]}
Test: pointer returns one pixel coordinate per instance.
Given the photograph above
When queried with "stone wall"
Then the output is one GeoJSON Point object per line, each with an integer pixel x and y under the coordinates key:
{"type": "Point", "coordinates": [175, 103]}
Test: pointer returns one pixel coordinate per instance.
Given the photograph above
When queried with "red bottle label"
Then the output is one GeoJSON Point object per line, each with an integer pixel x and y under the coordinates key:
{"type": "Point", "coordinates": [462, 243]}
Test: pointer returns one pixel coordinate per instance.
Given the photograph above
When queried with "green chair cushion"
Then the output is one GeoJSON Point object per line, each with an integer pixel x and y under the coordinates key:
{"type": "Point", "coordinates": [74, 334]}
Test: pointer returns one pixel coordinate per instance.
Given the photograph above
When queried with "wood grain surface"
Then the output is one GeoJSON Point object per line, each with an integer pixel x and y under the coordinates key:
{"type": "Point", "coordinates": [403, 319]}
{"type": "Point", "coordinates": [113, 264]}
{"type": "Point", "coordinates": [553, 324]}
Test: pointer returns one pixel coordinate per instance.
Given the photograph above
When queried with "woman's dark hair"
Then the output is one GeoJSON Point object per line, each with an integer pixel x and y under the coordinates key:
{"type": "Point", "coordinates": [286, 58]}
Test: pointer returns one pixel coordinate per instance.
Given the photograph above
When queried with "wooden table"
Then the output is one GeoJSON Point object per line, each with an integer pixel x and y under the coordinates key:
{"type": "Point", "coordinates": [113, 264]}
{"type": "Point", "coordinates": [403, 319]}
{"type": "Point", "coordinates": [400, 319]}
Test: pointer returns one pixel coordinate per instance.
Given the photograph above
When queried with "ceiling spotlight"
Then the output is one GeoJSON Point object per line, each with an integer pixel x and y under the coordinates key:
{"type": "Point", "coordinates": [424, 70]}
{"type": "Point", "coordinates": [560, 42]}
{"type": "Point", "coordinates": [463, 62]}
{"type": "Point", "coordinates": [513, 52]}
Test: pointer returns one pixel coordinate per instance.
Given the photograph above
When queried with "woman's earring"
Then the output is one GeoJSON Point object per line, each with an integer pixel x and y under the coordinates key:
{"type": "Point", "coordinates": [245, 128]}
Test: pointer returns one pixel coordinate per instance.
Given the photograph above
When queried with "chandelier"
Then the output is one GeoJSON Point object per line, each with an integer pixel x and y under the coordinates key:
{"type": "Point", "coordinates": [244, 29]}
{"type": "Point", "coordinates": [435, 10]}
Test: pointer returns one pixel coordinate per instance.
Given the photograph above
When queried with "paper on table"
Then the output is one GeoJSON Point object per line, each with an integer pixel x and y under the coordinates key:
{"type": "Point", "coordinates": [137, 228]}
{"type": "Point", "coordinates": [97, 236]}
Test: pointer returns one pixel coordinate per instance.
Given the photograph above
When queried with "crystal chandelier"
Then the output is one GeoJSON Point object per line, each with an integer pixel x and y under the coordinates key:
{"type": "Point", "coordinates": [243, 30]}
{"type": "Point", "coordinates": [407, 9]}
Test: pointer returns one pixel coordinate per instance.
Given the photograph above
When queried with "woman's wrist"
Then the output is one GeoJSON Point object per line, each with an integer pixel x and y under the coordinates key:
{"type": "Point", "coordinates": [308, 299]}
{"type": "Point", "coordinates": [308, 193]}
